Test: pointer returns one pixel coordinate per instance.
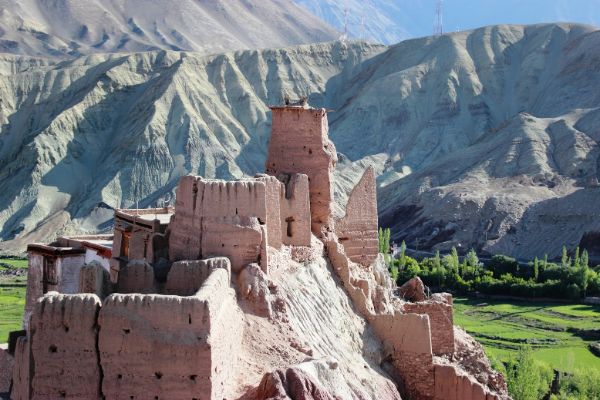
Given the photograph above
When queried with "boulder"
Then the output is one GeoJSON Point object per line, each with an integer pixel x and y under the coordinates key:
{"type": "Point", "coordinates": [413, 290]}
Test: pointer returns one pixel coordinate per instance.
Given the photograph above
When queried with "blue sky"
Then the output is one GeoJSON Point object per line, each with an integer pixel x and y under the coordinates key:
{"type": "Point", "coordinates": [467, 14]}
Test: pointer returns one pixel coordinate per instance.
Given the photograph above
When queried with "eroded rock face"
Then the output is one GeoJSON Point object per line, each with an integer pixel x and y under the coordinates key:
{"type": "Point", "coordinates": [413, 290]}
{"type": "Point", "coordinates": [253, 286]}
{"type": "Point", "coordinates": [291, 384]}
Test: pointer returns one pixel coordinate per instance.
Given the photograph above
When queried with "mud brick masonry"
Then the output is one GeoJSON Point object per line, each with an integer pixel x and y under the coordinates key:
{"type": "Point", "coordinates": [154, 310]}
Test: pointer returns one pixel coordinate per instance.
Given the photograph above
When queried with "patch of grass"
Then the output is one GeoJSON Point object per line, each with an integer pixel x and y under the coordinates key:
{"type": "Point", "coordinates": [14, 262]}
{"type": "Point", "coordinates": [12, 303]}
{"type": "Point", "coordinates": [548, 327]}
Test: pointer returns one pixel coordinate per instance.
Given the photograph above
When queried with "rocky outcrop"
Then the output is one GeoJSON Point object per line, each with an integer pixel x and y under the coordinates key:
{"type": "Point", "coordinates": [291, 383]}
{"type": "Point", "coordinates": [413, 290]}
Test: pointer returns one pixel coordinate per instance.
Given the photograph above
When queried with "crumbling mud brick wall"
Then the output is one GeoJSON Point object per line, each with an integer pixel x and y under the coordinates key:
{"type": "Point", "coordinates": [64, 347]}
{"type": "Point", "coordinates": [442, 324]}
{"type": "Point", "coordinates": [186, 277]}
{"type": "Point", "coordinates": [295, 210]}
{"type": "Point", "coordinates": [357, 230]}
{"type": "Point", "coordinates": [136, 277]}
{"type": "Point", "coordinates": [407, 339]}
{"type": "Point", "coordinates": [219, 218]}
{"type": "Point", "coordinates": [300, 144]}
{"type": "Point", "coordinates": [199, 336]}
{"type": "Point", "coordinates": [273, 189]}
{"type": "Point", "coordinates": [450, 384]}
{"type": "Point", "coordinates": [21, 383]}
{"type": "Point", "coordinates": [7, 362]}
{"type": "Point", "coordinates": [288, 210]}
{"type": "Point", "coordinates": [186, 225]}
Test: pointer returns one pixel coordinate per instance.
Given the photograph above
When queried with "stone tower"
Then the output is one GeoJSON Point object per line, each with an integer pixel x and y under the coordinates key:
{"type": "Point", "coordinates": [300, 144]}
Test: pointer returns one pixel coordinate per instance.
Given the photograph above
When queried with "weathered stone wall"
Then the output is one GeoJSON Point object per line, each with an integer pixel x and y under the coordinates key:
{"type": "Point", "coordinates": [64, 346]}
{"type": "Point", "coordinates": [357, 230]}
{"type": "Point", "coordinates": [442, 324]}
{"type": "Point", "coordinates": [299, 144]}
{"type": "Point", "coordinates": [7, 362]}
{"type": "Point", "coordinates": [198, 335]}
{"type": "Point", "coordinates": [186, 277]}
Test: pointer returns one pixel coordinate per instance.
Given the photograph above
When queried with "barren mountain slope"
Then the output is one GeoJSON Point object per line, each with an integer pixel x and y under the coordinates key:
{"type": "Point", "coordinates": [120, 130]}
{"type": "Point", "coordinates": [483, 135]}
{"type": "Point", "coordinates": [75, 27]}
{"type": "Point", "coordinates": [380, 21]}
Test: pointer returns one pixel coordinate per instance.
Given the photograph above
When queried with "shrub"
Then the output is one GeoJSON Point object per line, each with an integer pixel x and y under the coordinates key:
{"type": "Point", "coordinates": [501, 264]}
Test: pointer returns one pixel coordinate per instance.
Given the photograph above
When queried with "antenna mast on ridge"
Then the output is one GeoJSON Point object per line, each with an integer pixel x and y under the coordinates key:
{"type": "Point", "coordinates": [438, 26]}
{"type": "Point", "coordinates": [345, 36]}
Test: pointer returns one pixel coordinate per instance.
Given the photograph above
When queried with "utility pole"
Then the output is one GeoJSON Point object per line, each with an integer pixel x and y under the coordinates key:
{"type": "Point", "coordinates": [438, 26]}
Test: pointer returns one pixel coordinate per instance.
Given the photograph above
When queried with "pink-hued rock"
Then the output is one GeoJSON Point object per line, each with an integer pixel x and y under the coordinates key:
{"type": "Point", "coordinates": [253, 286]}
{"type": "Point", "coordinates": [64, 347]}
{"type": "Point", "coordinates": [300, 144]}
{"type": "Point", "coordinates": [413, 290]}
{"type": "Point", "coordinates": [357, 230]}
{"type": "Point", "coordinates": [471, 358]}
{"type": "Point", "coordinates": [291, 384]}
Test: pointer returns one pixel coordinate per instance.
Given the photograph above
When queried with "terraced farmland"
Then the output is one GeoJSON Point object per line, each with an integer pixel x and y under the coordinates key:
{"type": "Point", "coordinates": [560, 334]}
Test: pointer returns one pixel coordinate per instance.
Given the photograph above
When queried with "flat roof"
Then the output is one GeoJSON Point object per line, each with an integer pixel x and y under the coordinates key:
{"type": "Point", "coordinates": [148, 215]}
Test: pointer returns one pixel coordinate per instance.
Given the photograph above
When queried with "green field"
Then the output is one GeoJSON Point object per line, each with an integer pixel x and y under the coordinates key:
{"type": "Point", "coordinates": [12, 298]}
{"type": "Point", "coordinates": [558, 333]}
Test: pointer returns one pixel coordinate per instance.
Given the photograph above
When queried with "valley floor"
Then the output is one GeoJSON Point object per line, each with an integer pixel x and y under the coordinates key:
{"type": "Point", "coordinates": [558, 333]}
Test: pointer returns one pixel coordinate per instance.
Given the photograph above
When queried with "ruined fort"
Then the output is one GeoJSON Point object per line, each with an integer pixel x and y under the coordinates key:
{"type": "Point", "coordinates": [247, 289]}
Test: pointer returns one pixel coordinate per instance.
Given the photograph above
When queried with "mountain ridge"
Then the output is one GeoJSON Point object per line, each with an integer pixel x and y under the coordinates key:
{"type": "Point", "coordinates": [71, 28]}
{"type": "Point", "coordinates": [464, 129]}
